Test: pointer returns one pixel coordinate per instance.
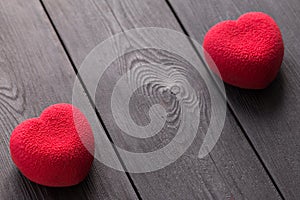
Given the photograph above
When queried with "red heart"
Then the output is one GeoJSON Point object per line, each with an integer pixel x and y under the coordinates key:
{"type": "Point", "coordinates": [54, 149]}
{"type": "Point", "coordinates": [248, 52]}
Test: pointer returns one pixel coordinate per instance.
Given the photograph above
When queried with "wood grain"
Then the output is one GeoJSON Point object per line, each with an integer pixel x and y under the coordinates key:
{"type": "Point", "coordinates": [232, 170]}
{"type": "Point", "coordinates": [268, 116]}
{"type": "Point", "coordinates": [36, 73]}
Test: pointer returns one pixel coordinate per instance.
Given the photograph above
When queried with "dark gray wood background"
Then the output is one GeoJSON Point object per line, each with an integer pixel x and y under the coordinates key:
{"type": "Point", "coordinates": [43, 44]}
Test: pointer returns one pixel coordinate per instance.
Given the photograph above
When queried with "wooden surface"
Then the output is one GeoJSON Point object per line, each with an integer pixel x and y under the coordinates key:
{"type": "Point", "coordinates": [257, 155]}
{"type": "Point", "coordinates": [218, 175]}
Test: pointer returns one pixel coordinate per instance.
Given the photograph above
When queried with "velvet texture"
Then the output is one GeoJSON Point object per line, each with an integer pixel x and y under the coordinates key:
{"type": "Point", "coordinates": [247, 52]}
{"type": "Point", "coordinates": [56, 148]}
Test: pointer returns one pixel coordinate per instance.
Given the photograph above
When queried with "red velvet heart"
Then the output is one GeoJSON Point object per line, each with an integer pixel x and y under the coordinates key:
{"type": "Point", "coordinates": [54, 149]}
{"type": "Point", "coordinates": [248, 52]}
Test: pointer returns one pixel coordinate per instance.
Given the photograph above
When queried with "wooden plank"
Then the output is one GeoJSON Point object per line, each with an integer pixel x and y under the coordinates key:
{"type": "Point", "coordinates": [231, 170]}
{"type": "Point", "coordinates": [36, 73]}
{"type": "Point", "coordinates": [269, 116]}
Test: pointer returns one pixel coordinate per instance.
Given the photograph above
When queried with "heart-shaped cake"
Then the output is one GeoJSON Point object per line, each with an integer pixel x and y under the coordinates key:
{"type": "Point", "coordinates": [55, 149]}
{"type": "Point", "coordinates": [247, 52]}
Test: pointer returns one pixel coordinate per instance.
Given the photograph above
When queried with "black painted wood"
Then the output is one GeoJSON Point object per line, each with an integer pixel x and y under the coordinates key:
{"type": "Point", "coordinates": [269, 116]}
{"type": "Point", "coordinates": [231, 170]}
{"type": "Point", "coordinates": [35, 73]}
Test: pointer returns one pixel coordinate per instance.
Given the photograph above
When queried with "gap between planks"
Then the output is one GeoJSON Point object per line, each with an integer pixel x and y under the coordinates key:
{"type": "Point", "coordinates": [90, 100]}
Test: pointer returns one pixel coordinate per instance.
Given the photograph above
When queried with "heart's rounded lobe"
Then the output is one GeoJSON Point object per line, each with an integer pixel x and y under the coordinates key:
{"type": "Point", "coordinates": [55, 149]}
{"type": "Point", "coordinates": [246, 53]}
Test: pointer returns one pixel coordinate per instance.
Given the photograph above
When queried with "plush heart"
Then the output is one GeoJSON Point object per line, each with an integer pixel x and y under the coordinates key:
{"type": "Point", "coordinates": [55, 149]}
{"type": "Point", "coordinates": [247, 52]}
